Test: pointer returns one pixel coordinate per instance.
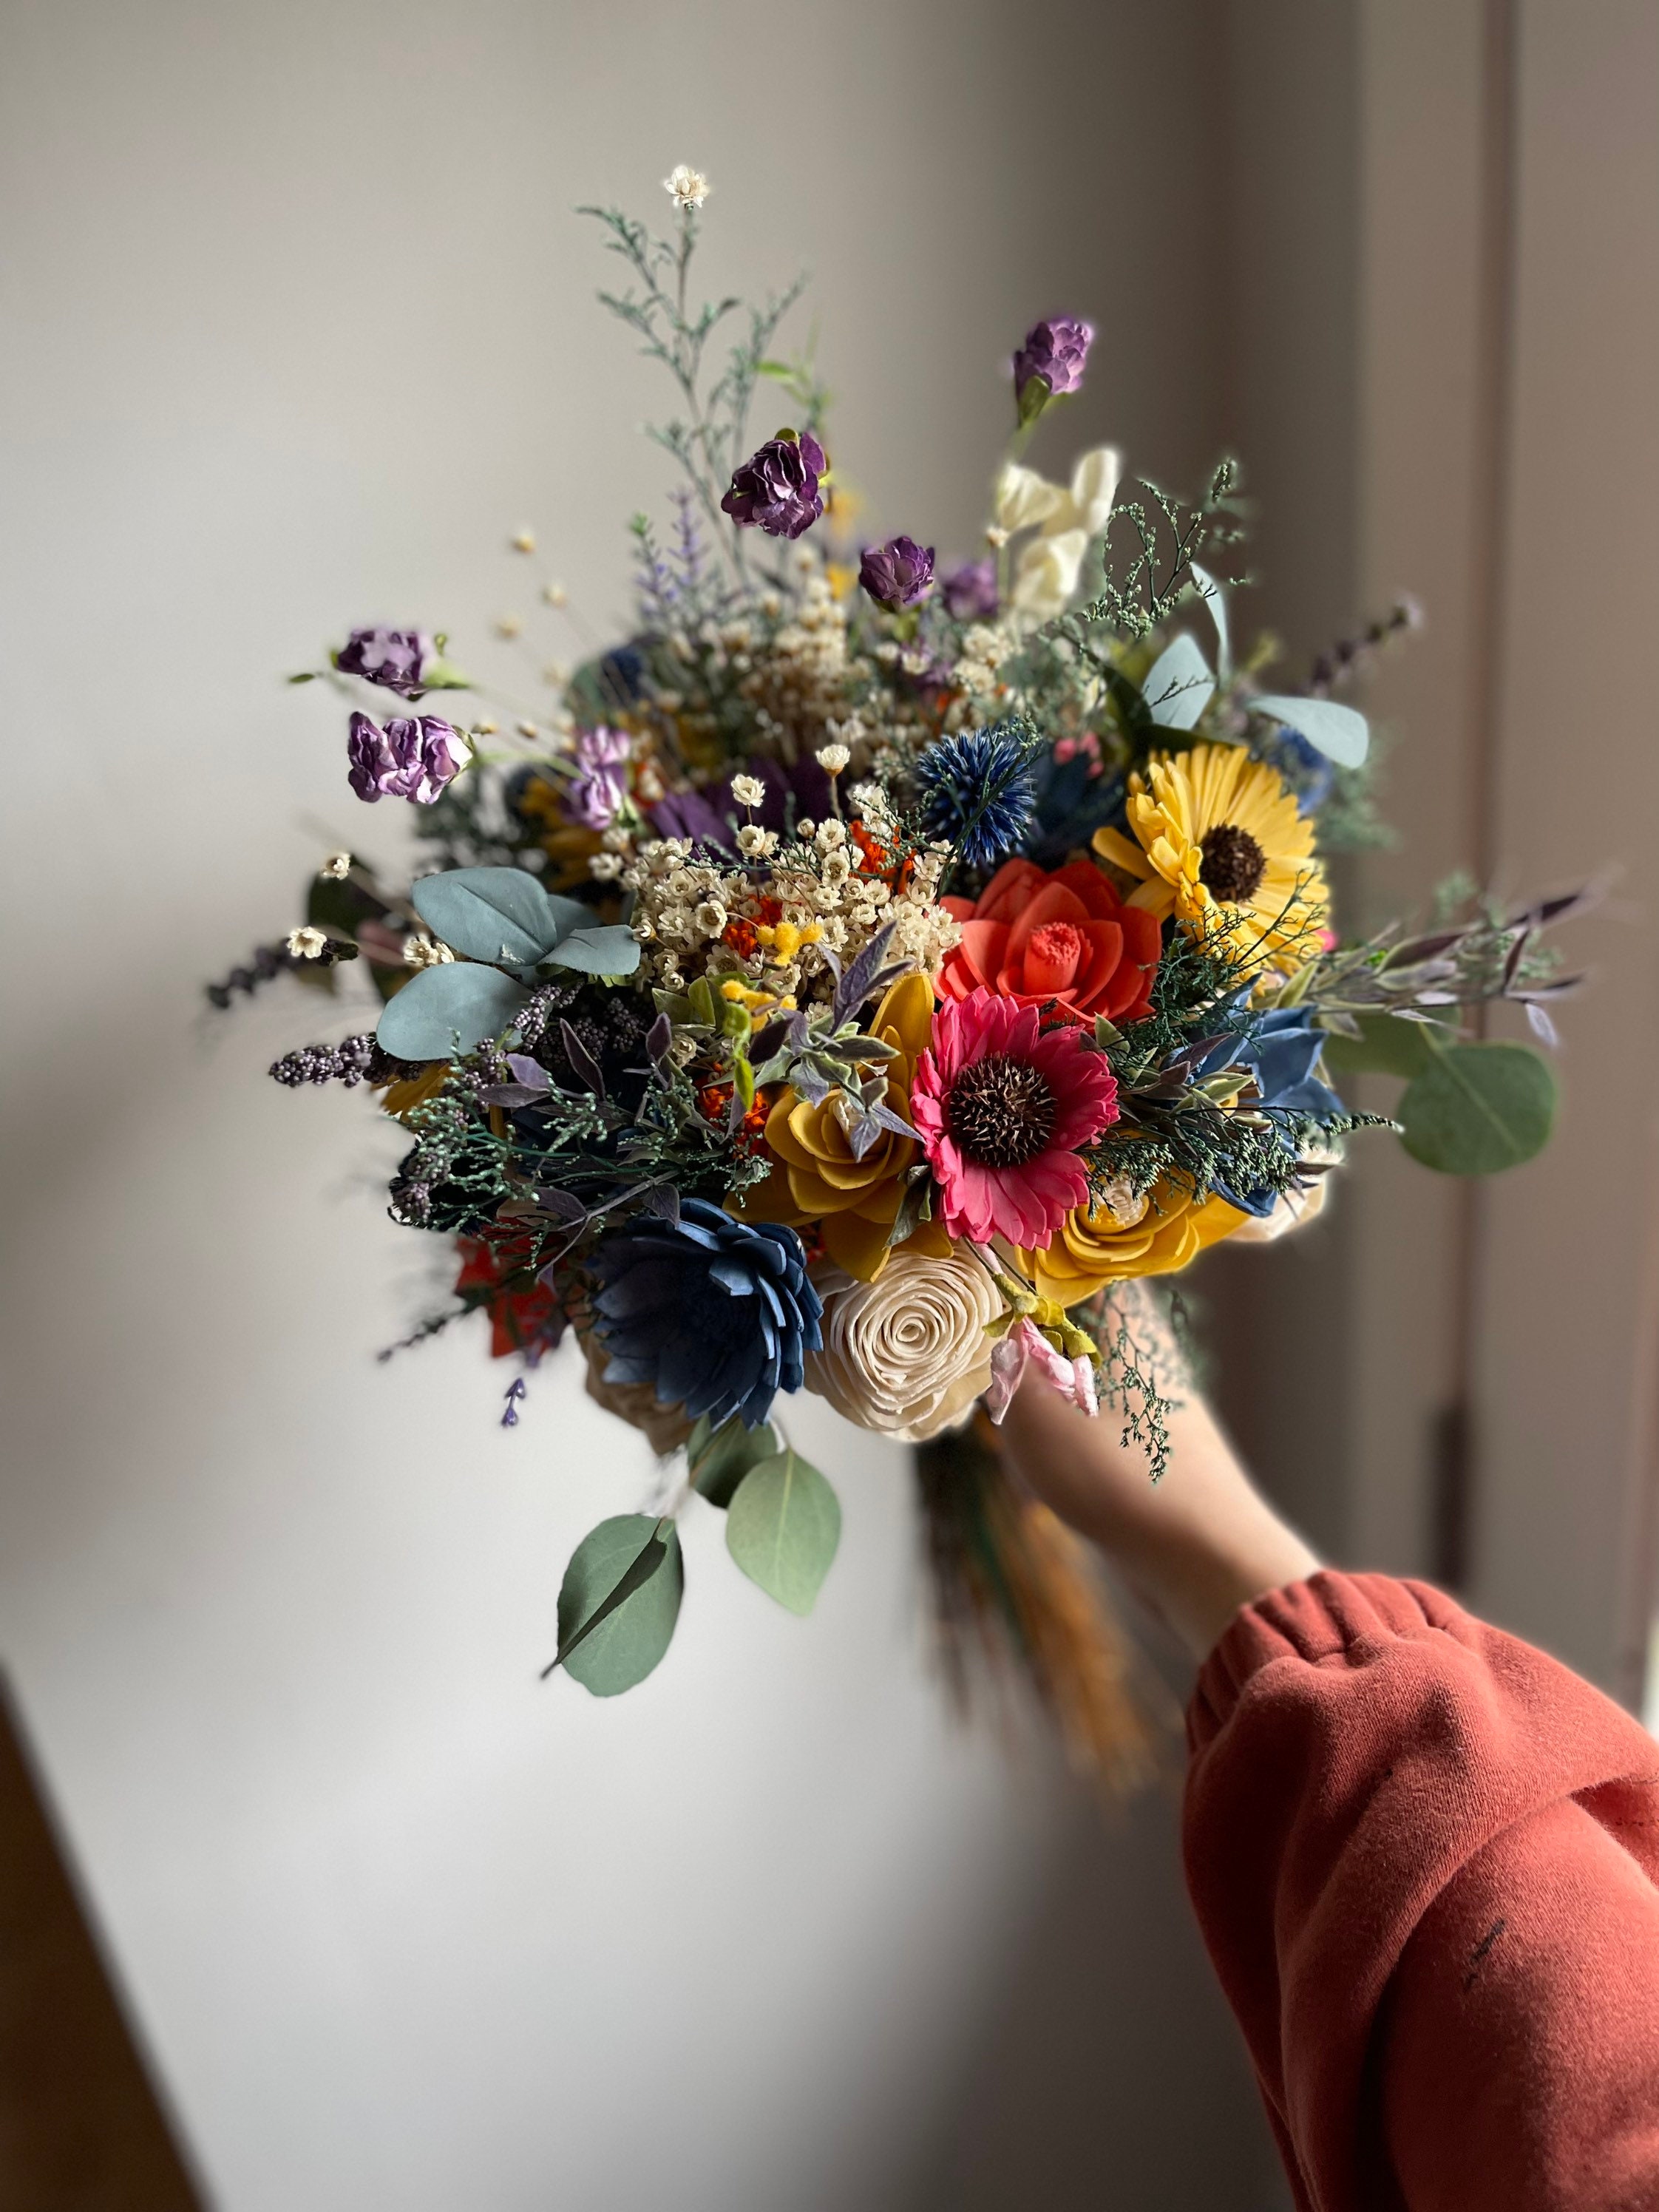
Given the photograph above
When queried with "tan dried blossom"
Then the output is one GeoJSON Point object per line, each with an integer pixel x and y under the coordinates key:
{"type": "Point", "coordinates": [420, 951]}
{"type": "Point", "coordinates": [686, 187]}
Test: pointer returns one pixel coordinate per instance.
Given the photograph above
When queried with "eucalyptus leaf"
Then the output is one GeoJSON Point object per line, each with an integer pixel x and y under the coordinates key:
{"type": "Point", "coordinates": [619, 1602]}
{"type": "Point", "coordinates": [1478, 1108]}
{"type": "Point", "coordinates": [1340, 732]}
{"type": "Point", "coordinates": [719, 1461]}
{"type": "Point", "coordinates": [782, 1527]}
{"type": "Point", "coordinates": [1216, 600]}
{"type": "Point", "coordinates": [491, 913]}
{"type": "Point", "coordinates": [608, 950]}
{"type": "Point", "coordinates": [447, 1010]}
{"type": "Point", "coordinates": [1178, 684]}
{"type": "Point", "coordinates": [1386, 1045]}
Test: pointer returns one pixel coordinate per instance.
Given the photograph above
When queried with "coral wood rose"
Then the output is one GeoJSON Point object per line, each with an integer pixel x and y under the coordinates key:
{"type": "Point", "coordinates": [1064, 938]}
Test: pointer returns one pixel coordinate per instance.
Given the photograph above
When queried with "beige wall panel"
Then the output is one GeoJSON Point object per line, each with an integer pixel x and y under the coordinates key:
{"type": "Point", "coordinates": [1565, 1312]}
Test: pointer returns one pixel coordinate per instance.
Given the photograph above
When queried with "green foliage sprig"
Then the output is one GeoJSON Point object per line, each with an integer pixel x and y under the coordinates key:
{"type": "Point", "coordinates": [709, 439]}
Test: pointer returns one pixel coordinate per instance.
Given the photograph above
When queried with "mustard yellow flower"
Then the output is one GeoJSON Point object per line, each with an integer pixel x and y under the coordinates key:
{"type": "Point", "coordinates": [817, 1178]}
{"type": "Point", "coordinates": [1157, 1233]}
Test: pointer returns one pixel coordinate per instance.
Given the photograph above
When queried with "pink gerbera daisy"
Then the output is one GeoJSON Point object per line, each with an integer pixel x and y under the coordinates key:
{"type": "Point", "coordinates": [1001, 1107]}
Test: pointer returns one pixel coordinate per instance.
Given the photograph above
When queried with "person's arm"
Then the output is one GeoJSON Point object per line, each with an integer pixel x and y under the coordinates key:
{"type": "Point", "coordinates": [1425, 1857]}
{"type": "Point", "coordinates": [1196, 1546]}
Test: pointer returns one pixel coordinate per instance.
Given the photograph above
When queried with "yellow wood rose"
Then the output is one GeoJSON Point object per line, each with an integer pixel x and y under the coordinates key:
{"type": "Point", "coordinates": [1157, 1233]}
{"type": "Point", "coordinates": [816, 1178]}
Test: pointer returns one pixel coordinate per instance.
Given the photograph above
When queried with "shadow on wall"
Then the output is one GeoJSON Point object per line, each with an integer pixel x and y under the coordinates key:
{"type": "Point", "coordinates": [1103, 2049]}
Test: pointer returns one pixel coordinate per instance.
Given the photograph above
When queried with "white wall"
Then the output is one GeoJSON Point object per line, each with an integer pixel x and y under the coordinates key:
{"type": "Point", "coordinates": [300, 327]}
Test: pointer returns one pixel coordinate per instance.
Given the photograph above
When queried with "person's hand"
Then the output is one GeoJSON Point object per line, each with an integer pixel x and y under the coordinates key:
{"type": "Point", "coordinates": [1196, 1544]}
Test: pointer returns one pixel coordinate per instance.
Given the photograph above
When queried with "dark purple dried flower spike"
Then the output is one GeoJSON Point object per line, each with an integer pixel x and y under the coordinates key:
{"type": "Point", "coordinates": [396, 658]}
{"type": "Point", "coordinates": [1049, 363]}
{"type": "Point", "coordinates": [776, 490]}
{"type": "Point", "coordinates": [898, 574]}
{"type": "Point", "coordinates": [408, 759]}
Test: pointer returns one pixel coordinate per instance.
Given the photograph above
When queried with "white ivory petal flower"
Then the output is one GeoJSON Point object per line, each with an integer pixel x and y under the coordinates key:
{"type": "Point", "coordinates": [1046, 574]}
{"type": "Point", "coordinates": [908, 1354]}
{"type": "Point", "coordinates": [686, 187]}
{"type": "Point", "coordinates": [1088, 505]}
{"type": "Point", "coordinates": [1024, 499]}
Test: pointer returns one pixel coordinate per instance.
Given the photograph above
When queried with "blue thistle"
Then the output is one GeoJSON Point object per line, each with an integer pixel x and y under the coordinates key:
{"type": "Point", "coordinates": [978, 792]}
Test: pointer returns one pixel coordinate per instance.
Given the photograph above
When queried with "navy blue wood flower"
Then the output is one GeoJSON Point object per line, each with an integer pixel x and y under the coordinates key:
{"type": "Point", "coordinates": [714, 1313]}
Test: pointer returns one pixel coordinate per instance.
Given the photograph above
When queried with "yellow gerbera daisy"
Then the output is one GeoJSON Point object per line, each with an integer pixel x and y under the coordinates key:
{"type": "Point", "coordinates": [1221, 845]}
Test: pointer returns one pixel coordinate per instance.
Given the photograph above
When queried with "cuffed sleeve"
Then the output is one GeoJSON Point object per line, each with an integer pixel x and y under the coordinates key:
{"type": "Point", "coordinates": [1373, 1772]}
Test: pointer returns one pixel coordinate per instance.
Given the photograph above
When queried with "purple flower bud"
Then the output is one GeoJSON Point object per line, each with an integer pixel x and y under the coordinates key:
{"type": "Point", "coordinates": [898, 574]}
{"type": "Point", "coordinates": [971, 592]}
{"type": "Point", "coordinates": [600, 784]}
{"type": "Point", "coordinates": [1050, 363]}
{"type": "Point", "coordinates": [394, 658]}
{"type": "Point", "coordinates": [776, 490]}
{"type": "Point", "coordinates": [406, 760]}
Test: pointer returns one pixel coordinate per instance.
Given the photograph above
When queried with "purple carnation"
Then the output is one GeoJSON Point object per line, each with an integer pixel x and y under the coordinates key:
{"type": "Point", "coordinates": [971, 592]}
{"type": "Point", "coordinates": [1051, 362]}
{"type": "Point", "coordinates": [393, 657]}
{"type": "Point", "coordinates": [776, 490]}
{"type": "Point", "coordinates": [898, 574]}
{"type": "Point", "coordinates": [408, 759]}
{"type": "Point", "coordinates": [600, 783]}
{"type": "Point", "coordinates": [689, 814]}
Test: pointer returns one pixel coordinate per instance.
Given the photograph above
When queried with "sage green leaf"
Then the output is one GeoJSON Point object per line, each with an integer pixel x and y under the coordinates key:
{"type": "Point", "coordinates": [606, 949]}
{"type": "Point", "coordinates": [619, 1602]}
{"type": "Point", "coordinates": [1341, 733]}
{"type": "Point", "coordinates": [1178, 684]}
{"type": "Point", "coordinates": [1386, 1046]}
{"type": "Point", "coordinates": [719, 1458]}
{"type": "Point", "coordinates": [447, 1010]}
{"type": "Point", "coordinates": [443, 676]}
{"type": "Point", "coordinates": [491, 913]}
{"type": "Point", "coordinates": [1216, 600]}
{"type": "Point", "coordinates": [782, 1527]}
{"type": "Point", "coordinates": [1478, 1108]}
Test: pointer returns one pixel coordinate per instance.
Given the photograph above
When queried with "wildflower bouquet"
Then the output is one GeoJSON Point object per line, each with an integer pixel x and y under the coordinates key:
{"type": "Point", "coordinates": [868, 978]}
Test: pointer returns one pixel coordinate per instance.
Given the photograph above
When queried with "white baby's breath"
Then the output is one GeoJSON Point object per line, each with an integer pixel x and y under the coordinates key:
{"type": "Point", "coordinates": [748, 790]}
{"type": "Point", "coordinates": [307, 944]}
{"type": "Point", "coordinates": [832, 759]}
{"type": "Point", "coordinates": [336, 866]}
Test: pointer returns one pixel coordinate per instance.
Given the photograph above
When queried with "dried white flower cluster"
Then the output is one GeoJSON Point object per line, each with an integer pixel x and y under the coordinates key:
{"type": "Point", "coordinates": [803, 679]}
{"type": "Point", "coordinates": [420, 951]}
{"type": "Point", "coordinates": [763, 930]}
{"type": "Point", "coordinates": [984, 647]}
